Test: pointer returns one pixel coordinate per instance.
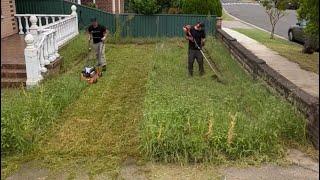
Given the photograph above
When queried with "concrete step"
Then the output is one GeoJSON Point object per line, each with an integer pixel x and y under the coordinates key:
{"type": "Point", "coordinates": [13, 82]}
{"type": "Point", "coordinates": [13, 73]}
{"type": "Point", "coordinates": [13, 66]}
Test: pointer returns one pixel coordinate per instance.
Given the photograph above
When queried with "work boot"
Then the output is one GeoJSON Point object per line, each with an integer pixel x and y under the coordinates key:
{"type": "Point", "coordinates": [201, 73]}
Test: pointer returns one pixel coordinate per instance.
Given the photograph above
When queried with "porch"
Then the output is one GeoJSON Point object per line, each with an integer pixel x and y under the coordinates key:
{"type": "Point", "coordinates": [28, 56]}
{"type": "Point", "coordinates": [12, 50]}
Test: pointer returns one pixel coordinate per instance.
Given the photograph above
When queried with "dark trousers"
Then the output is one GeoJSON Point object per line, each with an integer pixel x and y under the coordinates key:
{"type": "Point", "coordinates": [192, 55]}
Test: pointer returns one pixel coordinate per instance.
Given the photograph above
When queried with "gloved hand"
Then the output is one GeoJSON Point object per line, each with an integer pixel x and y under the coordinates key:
{"type": "Point", "coordinates": [190, 38]}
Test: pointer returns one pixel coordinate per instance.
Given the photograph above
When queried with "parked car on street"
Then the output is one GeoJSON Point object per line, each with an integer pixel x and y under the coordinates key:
{"type": "Point", "coordinates": [296, 33]}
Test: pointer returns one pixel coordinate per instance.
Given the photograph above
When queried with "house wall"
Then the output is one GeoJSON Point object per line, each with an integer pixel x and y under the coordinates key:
{"type": "Point", "coordinates": [106, 5]}
{"type": "Point", "coordinates": [9, 25]}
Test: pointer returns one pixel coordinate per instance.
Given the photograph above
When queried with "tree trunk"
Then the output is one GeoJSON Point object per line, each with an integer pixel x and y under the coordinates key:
{"type": "Point", "coordinates": [272, 33]}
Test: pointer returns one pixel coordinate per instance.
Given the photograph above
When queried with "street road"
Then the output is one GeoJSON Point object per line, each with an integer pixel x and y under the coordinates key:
{"type": "Point", "coordinates": [255, 14]}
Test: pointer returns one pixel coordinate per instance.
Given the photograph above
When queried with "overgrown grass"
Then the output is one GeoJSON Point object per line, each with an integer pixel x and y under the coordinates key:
{"type": "Point", "coordinates": [146, 100]}
{"type": "Point", "coordinates": [197, 119]}
{"type": "Point", "coordinates": [74, 53]}
{"type": "Point", "coordinates": [25, 115]}
{"type": "Point", "coordinates": [292, 51]}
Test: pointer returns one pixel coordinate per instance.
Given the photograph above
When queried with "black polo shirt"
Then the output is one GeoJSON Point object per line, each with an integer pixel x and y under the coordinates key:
{"type": "Point", "coordinates": [97, 32]}
{"type": "Point", "coordinates": [197, 35]}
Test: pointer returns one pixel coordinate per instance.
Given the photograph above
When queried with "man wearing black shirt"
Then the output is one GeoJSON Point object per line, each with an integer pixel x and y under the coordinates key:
{"type": "Point", "coordinates": [196, 36]}
{"type": "Point", "coordinates": [97, 33]}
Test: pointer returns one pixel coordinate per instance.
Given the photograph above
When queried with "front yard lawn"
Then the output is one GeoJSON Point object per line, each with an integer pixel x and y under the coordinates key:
{"type": "Point", "coordinates": [146, 107]}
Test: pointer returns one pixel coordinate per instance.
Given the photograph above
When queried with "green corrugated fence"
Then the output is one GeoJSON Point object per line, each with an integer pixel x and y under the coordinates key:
{"type": "Point", "coordinates": [39, 6]}
{"type": "Point", "coordinates": [132, 25]}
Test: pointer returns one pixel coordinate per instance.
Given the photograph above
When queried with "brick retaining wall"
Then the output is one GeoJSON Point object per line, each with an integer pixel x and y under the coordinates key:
{"type": "Point", "coordinates": [306, 103]}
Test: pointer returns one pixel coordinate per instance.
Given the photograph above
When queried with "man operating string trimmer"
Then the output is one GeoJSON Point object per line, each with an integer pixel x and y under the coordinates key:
{"type": "Point", "coordinates": [196, 36]}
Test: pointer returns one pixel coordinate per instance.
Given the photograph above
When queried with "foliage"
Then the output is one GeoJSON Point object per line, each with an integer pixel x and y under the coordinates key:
{"type": "Point", "coordinates": [92, 5]}
{"type": "Point", "coordinates": [212, 7]}
{"type": "Point", "coordinates": [25, 115]}
{"type": "Point", "coordinates": [309, 10]}
{"type": "Point", "coordinates": [146, 7]}
{"type": "Point", "coordinates": [275, 10]}
{"type": "Point", "coordinates": [164, 3]}
{"type": "Point", "coordinates": [174, 11]}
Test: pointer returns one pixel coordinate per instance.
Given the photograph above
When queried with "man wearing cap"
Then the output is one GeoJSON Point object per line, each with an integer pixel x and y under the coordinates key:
{"type": "Point", "coordinates": [196, 37]}
{"type": "Point", "coordinates": [98, 33]}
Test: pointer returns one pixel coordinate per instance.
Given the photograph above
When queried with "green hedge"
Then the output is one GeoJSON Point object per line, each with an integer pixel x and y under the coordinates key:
{"type": "Point", "coordinates": [212, 7]}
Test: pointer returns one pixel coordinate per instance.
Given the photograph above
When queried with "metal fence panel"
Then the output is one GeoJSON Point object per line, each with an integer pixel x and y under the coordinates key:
{"type": "Point", "coordinates": [39, 6]}
{"type": "Point", "coordinates": [133, 25]}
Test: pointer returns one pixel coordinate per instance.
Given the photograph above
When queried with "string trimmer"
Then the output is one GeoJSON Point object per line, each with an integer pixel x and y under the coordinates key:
{"type": "Point", "coordinates": [216, 75]}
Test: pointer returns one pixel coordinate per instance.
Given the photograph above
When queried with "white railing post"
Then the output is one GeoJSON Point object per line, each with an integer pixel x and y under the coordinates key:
{"type": "Point", "coordinates": [74, 13]}
{"type": "Point", "coordinates": [20, 25]}
{"type": "Point", "coordinates": [27, 24]}
{"type": "Point", "coordinates": [32, 62]}
{"type": "Point", "coordinates": [79, 2]}
{"type": "Point", "coordinates": [47, 20]}
{"type": "Point", "coordinates": [53, 19]}
{"type": "Point", "coordinates": [55, 42]}
{"type": "Point", "coordinates": [41, 59]}
{"type": "Point", "coordinates": [51, 50]}
{"type": "Point", "coordinates": [34, 28]}
{"type": "Point", "coordinates": [40, 23]}
{"type": "Point", "coordinates": [45, 52]}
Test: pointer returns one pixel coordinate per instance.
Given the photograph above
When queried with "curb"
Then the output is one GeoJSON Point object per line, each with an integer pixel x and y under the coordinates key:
{"type": "Point", "coordinates": [237, 19]}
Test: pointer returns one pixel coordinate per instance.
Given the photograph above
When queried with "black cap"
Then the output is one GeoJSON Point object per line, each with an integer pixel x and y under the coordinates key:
{"type": "Point", "coordinates": [93, 19]}
{"type": "Point", "coordinates": [201, 24]}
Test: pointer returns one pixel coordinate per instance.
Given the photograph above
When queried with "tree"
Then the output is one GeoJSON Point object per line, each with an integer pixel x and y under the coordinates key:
{"type": "Point", "coordinates": [164, 3]}
{"type": "Point", "coordinates": [144, 6]}
{"type": "Point", "coordinates": [275, 10]}
{"type": "Point", "coordinates": [202, 7]}
{"type": "Point", "coordinates": [309, 10]}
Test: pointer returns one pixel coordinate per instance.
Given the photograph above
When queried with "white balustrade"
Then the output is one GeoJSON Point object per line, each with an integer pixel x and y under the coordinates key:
{"type": "Point", "coordinates": [23, 19]}
{"type": "Point", "coordinates": [43, 40]}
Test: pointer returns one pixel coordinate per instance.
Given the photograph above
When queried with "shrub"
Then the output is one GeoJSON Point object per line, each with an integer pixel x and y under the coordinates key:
{"type": "Point", "coordinates": [212, 7]}
{"type": "Point", "coordinates": [144, 6]}
{"type": "Point", "coordinates": [309, 10]}
{"type": "Point", "coordinates": [174, 11]}
{"type": "Point", "coordinates": [92, 5]}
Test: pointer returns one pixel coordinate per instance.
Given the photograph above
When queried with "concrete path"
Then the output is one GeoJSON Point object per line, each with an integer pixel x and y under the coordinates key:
{"type": "Point", "coordinates": [235, 24]}
{"type": "Point", "coordinates": [308, 81]}
{"type": "Point", "coordinates": [299, 166]}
